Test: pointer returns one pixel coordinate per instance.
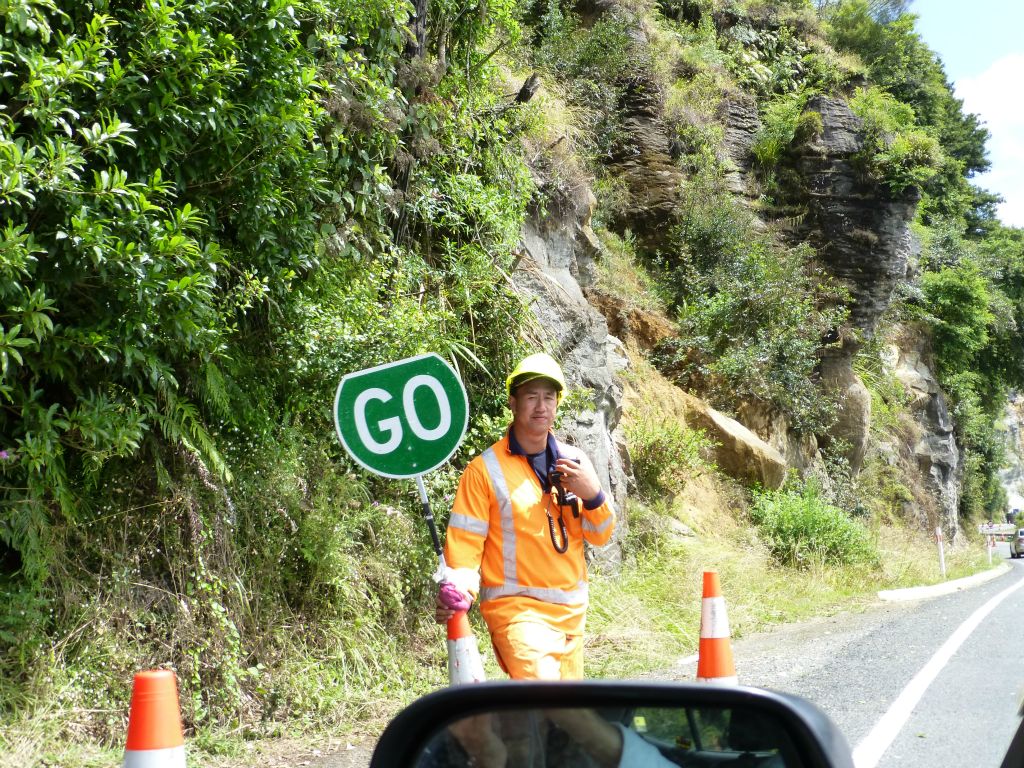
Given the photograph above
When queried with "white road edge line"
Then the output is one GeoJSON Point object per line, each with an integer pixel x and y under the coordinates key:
{"type": "Point", "coordinates": [871, 748]}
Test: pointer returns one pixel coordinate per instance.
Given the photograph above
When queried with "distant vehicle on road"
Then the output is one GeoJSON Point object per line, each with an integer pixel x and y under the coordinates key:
{"type": "Point", "coordinates": [1017, 543]}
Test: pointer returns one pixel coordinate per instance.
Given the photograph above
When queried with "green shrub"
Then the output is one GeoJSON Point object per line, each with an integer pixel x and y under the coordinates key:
{"type": "Point", "coordinates": [663, 453]}
{"type": "Point", "coordinates": [957, 303]}
{"type": "Point", "coordinates": [802, 530]}
{"type": "Point", "coordinates": [596, 65]}
{"type": "Point", "coordinates": [896, 152]}
{"type": "Point", "coordinates": [778, 129]}
{"type": "Point", "coordinates": [754, 310]}
{"type": "Point", "coordinates": [909, 160]}
{"type": "Point", "coordinates": [178, 298]}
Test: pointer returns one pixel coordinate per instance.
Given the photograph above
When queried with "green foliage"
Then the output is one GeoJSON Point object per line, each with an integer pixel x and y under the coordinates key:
{"type": "Point", "coordinates": [123, 277]}
{"type": "Point", "coordinates": [900, 63]}
{"type": "Point", "coordinates": [959, 302]}
{"type": "Point", "coordinates": [210, 212]}
{"type": "Point", "coordinates": [896, 153]}
{"type": "Point", "coordinates": [664, 453]}
{"type": "Point", "coordinates": [596, 66]}
{"type": "Point", "coordinates": [754, 311]}
{"type": "Point", "coordinates": [889, 398]}
{"type": "Point", "coordinates": [621, 273]}
{"type": "Point", "coordinates": [1001, 255]}
{"type": "Point", "coordinates": [971, 303]}
{"type": "Point", "coordinates": [772, 60]}
{"type": "Point", "coordinates": [802, 530]}
{"type": "Point", "coordinates": [779, 125]}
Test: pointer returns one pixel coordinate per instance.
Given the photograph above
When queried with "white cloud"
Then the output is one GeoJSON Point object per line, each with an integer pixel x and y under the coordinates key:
{"type": "Point", "coordinates": [994, 97]}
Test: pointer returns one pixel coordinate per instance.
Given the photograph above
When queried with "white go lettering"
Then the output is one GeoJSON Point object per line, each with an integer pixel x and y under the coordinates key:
{"type": "Point", "coordinates": [415, 424]}
{"type": "Point", "coordinates": [392, 426]}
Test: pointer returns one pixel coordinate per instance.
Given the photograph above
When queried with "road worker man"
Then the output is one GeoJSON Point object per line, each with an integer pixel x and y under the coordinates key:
{"type": "Point", "coordinates": [515, 538]}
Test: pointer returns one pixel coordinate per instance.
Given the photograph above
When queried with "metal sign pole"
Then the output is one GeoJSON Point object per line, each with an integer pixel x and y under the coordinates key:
{"type": "Point", "coordinates": [428, 515]}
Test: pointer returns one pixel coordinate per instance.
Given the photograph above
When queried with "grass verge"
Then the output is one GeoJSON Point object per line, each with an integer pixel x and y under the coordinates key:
{"type": "Point", "coordinates": [644, 619]}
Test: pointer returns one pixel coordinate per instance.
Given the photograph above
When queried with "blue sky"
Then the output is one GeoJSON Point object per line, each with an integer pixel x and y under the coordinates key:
{"type": "Point", "coordinates": [981, 43]}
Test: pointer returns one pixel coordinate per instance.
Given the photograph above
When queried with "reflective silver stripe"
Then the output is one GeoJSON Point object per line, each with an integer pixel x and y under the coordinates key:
{"type": "Point", "coordinates": [508, 530]}
{"type": "Point", "coordinates": [169, 757]}
{"type": "Point", "coordinates": [576, 596]}
{"type": "Point", "coordinates": [467, 523]}
{"type": "Point", "coordinates": [589, 526]}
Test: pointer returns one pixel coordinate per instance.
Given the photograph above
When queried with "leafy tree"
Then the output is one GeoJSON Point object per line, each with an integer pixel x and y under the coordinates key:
{"type": "Point", "coordinates": [123, 276]}
{"type": "Point", "coordinates": [902, 64]}
{"type": "Point", "coordinates": [972, 302]}
{"type": "Point", "coordinates": [959, 300]}
{"type": "Point", "coordinates": [197, 203]}
{"type": "Point", "coordinates": [895, 152]}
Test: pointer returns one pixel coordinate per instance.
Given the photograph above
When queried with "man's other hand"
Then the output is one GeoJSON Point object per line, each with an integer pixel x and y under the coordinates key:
{"type": "Point", "coordinates": [450, 600]}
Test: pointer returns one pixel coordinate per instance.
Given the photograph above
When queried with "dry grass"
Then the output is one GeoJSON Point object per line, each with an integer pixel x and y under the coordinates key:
{"type": "Point", "coordinates": [619, 274]}
{"type": "Point", "coordinates": [552, 141]}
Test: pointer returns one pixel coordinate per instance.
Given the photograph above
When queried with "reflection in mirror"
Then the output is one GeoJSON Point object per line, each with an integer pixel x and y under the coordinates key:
{"type": "Point", "coordinates": [640, 737]}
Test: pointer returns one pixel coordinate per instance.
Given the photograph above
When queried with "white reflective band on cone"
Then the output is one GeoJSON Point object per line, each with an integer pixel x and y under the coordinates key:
{"type": "Point", "coordinates": [731, 680]}
{"type": "Point", "coordinates": [171, 757]}
{"type": "Point", "coordinates": [464, 665]}
{"type": "Point", "coordinates": [714, 621]}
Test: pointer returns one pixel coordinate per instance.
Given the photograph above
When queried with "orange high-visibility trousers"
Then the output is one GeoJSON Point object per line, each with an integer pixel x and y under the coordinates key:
{"type": "Point", "coordinates": [532, 650]}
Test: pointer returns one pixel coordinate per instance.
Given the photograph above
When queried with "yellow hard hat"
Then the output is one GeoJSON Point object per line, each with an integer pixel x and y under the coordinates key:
{"type": "Point", "coordinates": [537, 366]}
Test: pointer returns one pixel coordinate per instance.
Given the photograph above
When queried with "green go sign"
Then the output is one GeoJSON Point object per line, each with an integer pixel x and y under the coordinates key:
{"type": "Point", "coordinates": [402, 419]}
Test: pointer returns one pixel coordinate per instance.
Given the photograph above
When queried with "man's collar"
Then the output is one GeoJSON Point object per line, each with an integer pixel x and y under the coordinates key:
{"type": "Point", "coordinates": [517, 450]}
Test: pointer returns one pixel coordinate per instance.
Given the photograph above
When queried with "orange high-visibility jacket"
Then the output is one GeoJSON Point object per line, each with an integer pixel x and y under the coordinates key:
{"type": "Point", "coordinates": [499, 527]}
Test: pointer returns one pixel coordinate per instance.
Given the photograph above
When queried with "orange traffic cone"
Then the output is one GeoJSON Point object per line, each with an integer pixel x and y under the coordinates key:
{"type": "Point", "coordinates": [714, 663]}
{"type": "Point", "coordinates": [464, 665]}
{"type": "Point", "coordinates": [155, 739]}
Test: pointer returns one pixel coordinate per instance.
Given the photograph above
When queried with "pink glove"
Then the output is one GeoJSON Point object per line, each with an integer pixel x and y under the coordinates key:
{"type": "Point", "coordinates": [452, 597]}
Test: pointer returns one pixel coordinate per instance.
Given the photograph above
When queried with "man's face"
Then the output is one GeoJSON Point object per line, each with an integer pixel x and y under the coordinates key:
{"type": "Point", "coordinates": [534, 405]}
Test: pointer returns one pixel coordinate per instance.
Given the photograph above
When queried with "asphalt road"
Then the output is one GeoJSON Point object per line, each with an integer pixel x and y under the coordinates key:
{"type": "Point", "coordinates": [855, 666]}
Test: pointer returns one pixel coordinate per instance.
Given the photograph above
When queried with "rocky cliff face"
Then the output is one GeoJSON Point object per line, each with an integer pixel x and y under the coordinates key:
{"type": "Point", "coordinates": [861, 235]}
{"type": "Point", "coordinates": [739, 116]}
{"type": "Point", "coordinates": [644, 162]}
{"type": "Point", "coordinates": [860, 231]}
{"type": "Point", "coordinates": [1013, 476]}
{"type": "Point", "coordinates": [862, 238]}
{"type": "Point", "coordinates": [933, 445]}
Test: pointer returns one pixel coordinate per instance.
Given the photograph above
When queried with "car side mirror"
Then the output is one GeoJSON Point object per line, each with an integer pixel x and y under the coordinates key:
{"type": "Point", "coordinates": [604, 724]}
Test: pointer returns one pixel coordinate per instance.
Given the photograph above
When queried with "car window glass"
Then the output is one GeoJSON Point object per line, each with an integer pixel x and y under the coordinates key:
{"type": "Point", "coordinates": [641, 737]}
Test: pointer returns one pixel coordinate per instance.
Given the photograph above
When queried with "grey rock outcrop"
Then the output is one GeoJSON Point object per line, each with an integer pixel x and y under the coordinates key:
{"type": "Point", "coordinates": [800, 450]}
{"type": "Point", "coordinates": [1012, 476]}
{"type": "Point", "coordinates": [861, 233]}
{"type": "Point", "coordinates": [739, 452]}
{"type": "Point", "coordinates": [738, 114]}
{"type": "Point", "coordinates": [853, 419]}
{"type": "Point", "coordinates": [643, 161]}
{"type": "Point", "coordinates": [935, 449]}
{"type": "Point", "coordinates": [641, 157]}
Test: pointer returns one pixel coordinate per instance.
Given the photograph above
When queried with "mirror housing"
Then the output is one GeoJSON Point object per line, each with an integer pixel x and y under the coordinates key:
{"type": "Point", "coordinates": [816, 741]}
